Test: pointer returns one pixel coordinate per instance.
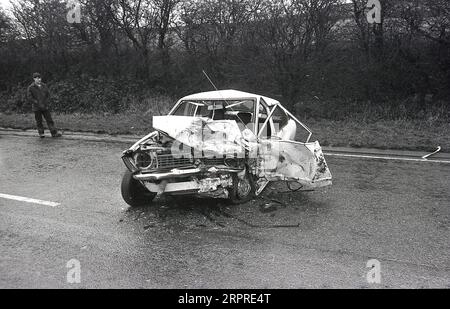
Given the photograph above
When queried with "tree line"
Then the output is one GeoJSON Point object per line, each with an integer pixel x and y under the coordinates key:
{"type": "Point", "coordinates": [308, 53]}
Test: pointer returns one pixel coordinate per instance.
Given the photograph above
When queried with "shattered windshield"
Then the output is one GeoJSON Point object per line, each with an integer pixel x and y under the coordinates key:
{"type": "Point", "coordinates": [217, 109]}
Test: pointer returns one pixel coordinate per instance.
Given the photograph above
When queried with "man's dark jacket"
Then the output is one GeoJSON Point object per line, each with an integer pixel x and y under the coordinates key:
{"type": "Point", "coordinates": [39, 97]}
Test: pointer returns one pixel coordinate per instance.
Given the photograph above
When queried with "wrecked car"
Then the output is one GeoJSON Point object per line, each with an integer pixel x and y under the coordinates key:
{"type": "Point", "coordinates": [222, 144]}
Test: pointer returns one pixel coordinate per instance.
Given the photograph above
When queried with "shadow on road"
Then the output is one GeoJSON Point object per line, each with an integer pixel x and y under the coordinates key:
{"type": "Point", "coordinates": [269, 211]}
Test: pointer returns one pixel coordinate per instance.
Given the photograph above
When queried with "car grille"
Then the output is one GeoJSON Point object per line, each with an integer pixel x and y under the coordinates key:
{"type": "Point", "coordinates": [168, 161]}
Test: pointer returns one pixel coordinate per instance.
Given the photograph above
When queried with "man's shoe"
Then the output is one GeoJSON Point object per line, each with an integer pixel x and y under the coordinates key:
{"type": "Point", "coordinates": [41, 135]}
{"type": "Point", "coordinates": [57, 135]}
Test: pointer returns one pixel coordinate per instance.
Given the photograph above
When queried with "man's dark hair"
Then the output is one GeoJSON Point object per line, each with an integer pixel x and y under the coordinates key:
{"type": "Point", "coordinates": [36, 75]}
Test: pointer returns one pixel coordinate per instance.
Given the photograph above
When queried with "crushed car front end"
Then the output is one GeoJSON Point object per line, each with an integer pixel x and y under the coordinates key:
{"type": "Point", "coordinates": [154, 163]}
{"type": "Point", "coordinates": [223, 144]}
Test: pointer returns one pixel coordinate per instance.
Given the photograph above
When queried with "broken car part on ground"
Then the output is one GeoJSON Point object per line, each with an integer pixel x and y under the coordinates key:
{"type": "Point", "coordinates": [222, 144]}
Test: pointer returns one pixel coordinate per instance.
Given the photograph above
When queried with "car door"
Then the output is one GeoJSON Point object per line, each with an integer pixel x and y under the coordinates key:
{"type": "Point", "coordinates": [282, 158]}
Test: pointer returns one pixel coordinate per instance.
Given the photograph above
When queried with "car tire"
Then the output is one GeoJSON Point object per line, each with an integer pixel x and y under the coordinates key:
{"type": "Point", "coordinates": [133, 192]}
{"type": "Point", "coordinates": [243, 190]}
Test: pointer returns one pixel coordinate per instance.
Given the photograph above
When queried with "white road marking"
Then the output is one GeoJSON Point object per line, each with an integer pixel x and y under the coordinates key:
{"type": "Point", "coordinates": [386, 158]}
{"type": "Point", "coordinates": [433, 153]}
{"type": "Point", "coordinates": [28, 200]}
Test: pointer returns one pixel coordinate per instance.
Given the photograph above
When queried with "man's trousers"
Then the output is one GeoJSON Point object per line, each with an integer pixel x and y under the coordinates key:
{"type": "Point", "coordinates": [48, 118]}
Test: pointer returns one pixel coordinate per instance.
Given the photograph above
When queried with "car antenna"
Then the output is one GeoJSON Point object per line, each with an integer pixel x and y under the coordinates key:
{"type": "Point", "coordinates": [210, 80]}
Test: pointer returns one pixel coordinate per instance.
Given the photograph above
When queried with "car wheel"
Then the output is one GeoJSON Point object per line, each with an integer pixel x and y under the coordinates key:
{"type": "Point", "coordinates": [243, 189]}
{"type": "Point", "coordinates": [134, 193]}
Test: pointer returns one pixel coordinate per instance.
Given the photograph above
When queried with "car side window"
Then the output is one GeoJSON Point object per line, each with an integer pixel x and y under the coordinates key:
{"type": "Point", "coordinates": [184, 109]}
{"type": "Point", "coordinates": [188, 108]}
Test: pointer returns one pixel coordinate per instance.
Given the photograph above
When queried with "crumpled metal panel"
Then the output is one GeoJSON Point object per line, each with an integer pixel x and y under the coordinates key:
{"type": "Point", "coordinates": [186, 130]}
{"type": "Point", "coordinates": [302, 163]}
{"type": "Point", "coordinates": [222, 137]}
{"type": "Point", "coordinates": [275, 159]}
{"type": "Point", "coordinates": [212, 137]}
{"type": "Point", "coordinates": [215, 187]}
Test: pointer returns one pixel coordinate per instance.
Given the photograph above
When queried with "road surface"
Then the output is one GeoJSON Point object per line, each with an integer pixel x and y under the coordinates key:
{"type": "Point", "coordinates": [395, 212]}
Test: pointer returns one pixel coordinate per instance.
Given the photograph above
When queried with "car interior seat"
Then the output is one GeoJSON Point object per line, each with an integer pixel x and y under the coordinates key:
{"type": "Point", "coordinates": [244, 117]}
{"type": "Point", "coordinates": [218, 114]}
{"type": "Point", "coordinates": [289, 131]}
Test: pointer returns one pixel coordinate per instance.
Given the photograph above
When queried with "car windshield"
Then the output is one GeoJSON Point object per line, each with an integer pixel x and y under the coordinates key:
{"type": "Point", "coordinates": [217, 109]}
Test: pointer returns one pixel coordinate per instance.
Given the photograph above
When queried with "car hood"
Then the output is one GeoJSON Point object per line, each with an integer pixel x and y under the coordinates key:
{"type": "Point", "coordinates": [212, 137]}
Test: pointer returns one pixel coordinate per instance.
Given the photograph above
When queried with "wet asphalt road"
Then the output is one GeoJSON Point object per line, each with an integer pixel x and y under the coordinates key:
{"type": "Point", "coordinates": [396, 212]}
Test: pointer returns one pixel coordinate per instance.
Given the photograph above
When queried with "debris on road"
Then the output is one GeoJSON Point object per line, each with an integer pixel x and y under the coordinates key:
{"type": "Point", "coordinates": [268, 207]}
{"type": "Point", "coordinates": [147, 227]}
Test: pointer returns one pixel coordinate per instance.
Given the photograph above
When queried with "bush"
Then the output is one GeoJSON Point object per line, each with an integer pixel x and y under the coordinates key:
{"type": "Point", "coordinates": [102, 95]}
{"type": "Point", "coordinates": [407, 109]}
{"type": "Point", "coordinates": [93, 95]}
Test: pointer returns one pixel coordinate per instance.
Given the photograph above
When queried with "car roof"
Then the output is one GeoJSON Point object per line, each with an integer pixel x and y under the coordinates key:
{"type": "Point", "coordinates": [229, 95]}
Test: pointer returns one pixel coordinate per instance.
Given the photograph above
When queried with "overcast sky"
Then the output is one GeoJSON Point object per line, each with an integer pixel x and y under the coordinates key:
{"type": "Point", "coordinates": [5, 4]}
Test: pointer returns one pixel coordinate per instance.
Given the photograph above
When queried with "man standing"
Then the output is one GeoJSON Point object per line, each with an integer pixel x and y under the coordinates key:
{"type": "Point", "coordinates": [39, 96]}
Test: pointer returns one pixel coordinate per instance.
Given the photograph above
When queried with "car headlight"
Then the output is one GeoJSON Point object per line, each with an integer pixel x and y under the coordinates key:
{"type": "Point", "coordinates": [144, 160]}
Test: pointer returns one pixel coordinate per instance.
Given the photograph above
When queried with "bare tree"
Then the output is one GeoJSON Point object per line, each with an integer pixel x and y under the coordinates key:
{"type": "Point", "coordinates": [6, 27]}
{"type": "Point", "coordinates": [145, 23]}
{"type": "Point", "coordinates": [44, 25]}
{"type": "Point", "coordinates": [296, 49]}
{"type": "Point", "coordinates": [214, 25]}
{"type": "Point", "coordinates": [293, 35]}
